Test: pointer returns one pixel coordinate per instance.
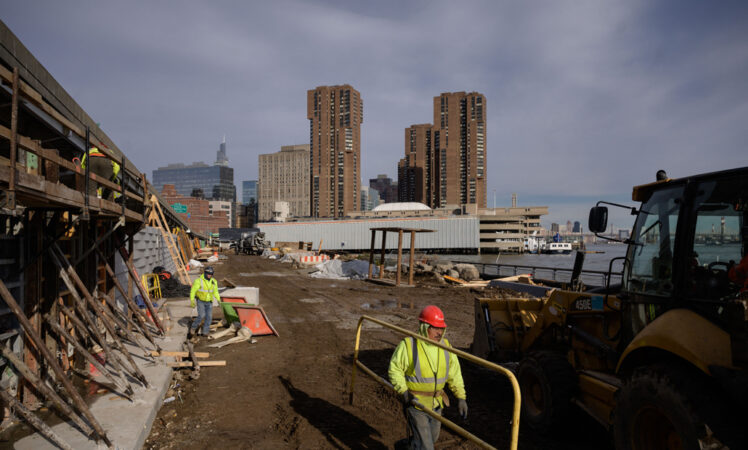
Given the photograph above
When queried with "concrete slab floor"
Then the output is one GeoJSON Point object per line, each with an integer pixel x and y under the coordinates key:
{"type": "Point", "coordinates": [128, 424]}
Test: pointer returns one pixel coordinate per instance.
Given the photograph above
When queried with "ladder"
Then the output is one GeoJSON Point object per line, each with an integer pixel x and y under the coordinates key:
{"type": "Point", "coordinates": [157, 219]}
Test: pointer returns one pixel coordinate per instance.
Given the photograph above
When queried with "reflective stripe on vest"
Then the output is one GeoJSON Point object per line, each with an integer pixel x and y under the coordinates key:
{"type": "Point", "coordinates": [203, 290]}
{"type": "Point", "coordinates": [418, 377]}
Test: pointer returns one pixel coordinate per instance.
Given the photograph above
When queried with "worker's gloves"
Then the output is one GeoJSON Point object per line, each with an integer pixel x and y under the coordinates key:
{"type": "Point", "coordinates": [215, 302]}
{"type": "Point", "coordinates": [192, 303]}
{"type": "Point", "coordinates": [193, 313]}
{"type": "Point", "coordinates": [407, 398]}
{"type": "Point", "coordinates": [462, 408]}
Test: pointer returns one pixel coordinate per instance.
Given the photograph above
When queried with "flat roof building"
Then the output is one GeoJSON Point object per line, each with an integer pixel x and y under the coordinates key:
{"type": "Point", "coordinates": [284, 177]}
{"type": "Point", "coordinates": [335, 115]}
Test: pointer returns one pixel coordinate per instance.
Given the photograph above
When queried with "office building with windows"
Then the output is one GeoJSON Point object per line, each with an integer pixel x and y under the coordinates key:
{"type": "Point", "coordinates": [284, 177]}
{"type": "Point", "coordinates": [335, 115]}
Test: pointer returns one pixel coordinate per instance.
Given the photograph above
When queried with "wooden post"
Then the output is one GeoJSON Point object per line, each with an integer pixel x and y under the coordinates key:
{"type": "Point", "coordinates": [126, 389]}
{"type": "Point", "coordinates": [47, 391]}
{"type": "Point", "coordinates": [399, 256]}
{"type": "Point", "coordinates": [371, 252]}
{"type": "Point", "coordinates": [34, 421]}
{"type": "Point", "coordinates": [52, 362]}
{"type": "Point", "coordinates": [96, 306]}
{"type": "Point", "coordinates": [141, 288]}
{"type": "Point", "coordinates": [32, 298]}
{"type": "Point", "coordinates": [130, 303]}
{"type": "Point", "coordinates": [412, 255]}
{"type": "Point", "coordinates": [11, 193]}
{"type": "Point", "coordinates": [381, 261]}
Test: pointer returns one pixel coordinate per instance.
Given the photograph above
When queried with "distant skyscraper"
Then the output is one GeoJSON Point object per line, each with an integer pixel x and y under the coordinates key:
{"type": "Point", "coordinates": [440, 171]}
{"type": "Point", "coordinates": [335, 115]}
{"type": "Point", "coordinates": [388, 190]}
{"type": "Point", "coordinates": [216, 182]}
{"type": "Point", "coordinates": [577, 227]}
{"type": "Point", "coordinates": [249, 191]}
{"type": "Point", "coordinates": [221, 159]}
{"type": "Point", "coordinates": [284, 177]}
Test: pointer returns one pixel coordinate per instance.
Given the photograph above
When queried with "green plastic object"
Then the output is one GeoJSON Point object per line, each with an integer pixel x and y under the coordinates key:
{"type": "Point", "coordinates": [229, 313]}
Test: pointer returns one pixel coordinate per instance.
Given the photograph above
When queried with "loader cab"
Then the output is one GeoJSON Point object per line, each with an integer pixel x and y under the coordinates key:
{"type": "Point", "coordinates": [688, 235]}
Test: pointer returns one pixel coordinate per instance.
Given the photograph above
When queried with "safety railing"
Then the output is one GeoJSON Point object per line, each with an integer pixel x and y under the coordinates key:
{"type": "Point", "coordinates": [467, 356]}
{"type": "Point", "coordinates": [152, 284]}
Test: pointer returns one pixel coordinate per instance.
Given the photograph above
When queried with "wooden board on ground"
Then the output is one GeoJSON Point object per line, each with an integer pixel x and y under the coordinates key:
{"type": "Point", "coordinates": [180, 354]}
{"type": "Point", "coordinates": [202, 364]}
{"type": "Point", "coordinates": [454, 280]}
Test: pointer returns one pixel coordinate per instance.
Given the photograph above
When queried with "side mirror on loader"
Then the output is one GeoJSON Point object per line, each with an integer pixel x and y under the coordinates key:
{"type": "Point", "coordinates": [598, 220]}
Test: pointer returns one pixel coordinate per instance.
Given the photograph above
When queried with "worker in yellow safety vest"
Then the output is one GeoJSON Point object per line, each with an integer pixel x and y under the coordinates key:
{"type": "Point", "coordinates": [418, 372]}
{"type": "Point", "coordinates": [205, 289]}
{"type": "Point", "coordinates": [103, 167]}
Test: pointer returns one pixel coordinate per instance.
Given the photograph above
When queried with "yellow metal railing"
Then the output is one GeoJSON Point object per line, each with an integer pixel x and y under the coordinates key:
{"type": "Point", "coordinates": [467, 356]}
{"type": "Point", "coordinates": [152, 284]}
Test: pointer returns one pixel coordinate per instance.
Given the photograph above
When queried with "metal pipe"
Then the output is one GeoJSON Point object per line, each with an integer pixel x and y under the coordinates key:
{"type": "Point", "coordinates": [467, 356]}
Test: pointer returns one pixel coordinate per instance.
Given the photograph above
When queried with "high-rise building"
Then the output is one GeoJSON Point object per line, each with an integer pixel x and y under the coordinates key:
{"type": "Point", "coordinates": [369, 198]}
{"type": "Point", "coordinates": [249, 191]}
{"type": "Point", "coordinates": [577, 227]}
{"type": "Point", "coordinates": [335, 115]}
{"type": "Point", "coordinates": [461, 160]}
{"type": "Point", "coordinates": [414, 172]}
{"type": "Point", "coordinates": [442, 168]}
{"type": "Point", "coordinates": [221, 159]}
{"type": "Point", "coordinates": [215, 182]}
{"type": "Point", "coordinates": [284, 177]}
{"type": "Point", "coordinates": [388, 190]}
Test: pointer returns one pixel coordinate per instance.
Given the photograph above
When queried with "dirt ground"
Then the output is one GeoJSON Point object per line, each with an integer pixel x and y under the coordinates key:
{"type": "Point", "coordinates": [292, 391]}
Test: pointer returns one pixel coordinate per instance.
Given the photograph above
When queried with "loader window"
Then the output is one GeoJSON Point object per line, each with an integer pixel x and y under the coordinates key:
{"type": "Point", "coordinates": [651, 256]}
{"type": "Point", "coordinates": [717, 238]}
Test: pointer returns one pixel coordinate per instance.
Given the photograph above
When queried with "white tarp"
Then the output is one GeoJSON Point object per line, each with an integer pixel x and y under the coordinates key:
{"type": "Point", "coordinates": [338, 270]}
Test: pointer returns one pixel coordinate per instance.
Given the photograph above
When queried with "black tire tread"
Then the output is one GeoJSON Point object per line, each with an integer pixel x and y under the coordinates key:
{"type": "Point", "coordinates": [563, 385]}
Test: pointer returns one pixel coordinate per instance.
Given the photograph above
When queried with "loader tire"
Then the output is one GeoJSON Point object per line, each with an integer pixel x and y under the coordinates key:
{"type": "Point", "coordinates": [653, 411]}
{"type": "Point", "coordinates": [547, 383]}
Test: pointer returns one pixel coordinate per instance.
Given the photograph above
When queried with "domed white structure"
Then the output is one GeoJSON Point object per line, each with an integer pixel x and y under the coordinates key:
{"type": "Point", "coordinates": [401, 206]}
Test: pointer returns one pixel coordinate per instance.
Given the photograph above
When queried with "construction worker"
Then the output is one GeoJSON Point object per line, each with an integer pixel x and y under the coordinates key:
{"type": "Point", "coordinates": [205, 289]}
{"type": "Point", "coordinates": [418, 372]}
{"type": "Point", "coordinates": [103, 167]}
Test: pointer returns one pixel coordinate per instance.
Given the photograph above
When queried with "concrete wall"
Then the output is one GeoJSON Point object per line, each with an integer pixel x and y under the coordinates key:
{"type": "Point", "coordinates": [149, 251]}
{"type": "Point", "coordinates": [355, 235]}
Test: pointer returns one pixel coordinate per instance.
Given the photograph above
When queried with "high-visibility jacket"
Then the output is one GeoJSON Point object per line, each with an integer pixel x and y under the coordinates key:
{"type": "Point", "coordinates": [204, 290]}
{"type": "Point", "coordinates": [96, 153]}
{"type": "Point", "coordinates": [424, 369]}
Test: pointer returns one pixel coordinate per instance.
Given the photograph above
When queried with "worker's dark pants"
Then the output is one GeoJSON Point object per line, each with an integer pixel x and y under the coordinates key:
{"type": "Point", "coordinates": [102, 167]}
{"type": "Point", "coordinates": [424, 429]}
{"type": "Point", "coordinates": [204, 311]}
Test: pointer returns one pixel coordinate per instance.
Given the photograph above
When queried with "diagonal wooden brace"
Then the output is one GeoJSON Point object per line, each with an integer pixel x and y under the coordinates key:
{"type": "Point", "coordinates": [52, 362]}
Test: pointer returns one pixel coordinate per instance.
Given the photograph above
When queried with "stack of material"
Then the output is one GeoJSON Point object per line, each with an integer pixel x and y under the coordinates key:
{"type": "Point", "coordinates": [336, 269]}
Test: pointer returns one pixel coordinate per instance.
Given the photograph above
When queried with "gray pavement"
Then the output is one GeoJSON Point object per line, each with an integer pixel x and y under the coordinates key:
{"type": "Point", "coordinates": [126, 423]}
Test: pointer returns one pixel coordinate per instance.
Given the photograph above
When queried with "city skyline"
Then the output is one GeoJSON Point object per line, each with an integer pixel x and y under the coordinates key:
{"type": "Point", "coordinates": [587, 98]}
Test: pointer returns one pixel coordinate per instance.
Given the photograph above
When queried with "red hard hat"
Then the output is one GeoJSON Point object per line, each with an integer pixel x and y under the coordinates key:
{"type": "Point", "coordinates": [433, 316]}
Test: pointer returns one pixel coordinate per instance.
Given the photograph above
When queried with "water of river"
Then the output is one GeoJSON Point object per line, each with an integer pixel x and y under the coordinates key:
{"type": "Point", "coordinates": [598, 258]}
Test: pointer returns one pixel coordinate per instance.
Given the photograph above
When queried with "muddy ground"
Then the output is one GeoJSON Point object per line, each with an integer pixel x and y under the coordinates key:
{"type": "Point", "coordinates": [292, 391]}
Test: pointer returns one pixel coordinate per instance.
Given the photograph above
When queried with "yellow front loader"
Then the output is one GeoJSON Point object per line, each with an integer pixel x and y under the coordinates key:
{"type": "Point", "coordinates": [661, 360]}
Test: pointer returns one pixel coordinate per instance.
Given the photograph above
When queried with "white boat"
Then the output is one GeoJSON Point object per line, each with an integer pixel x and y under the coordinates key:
{"type": "Point", "coordinates": [534, 244]}
{"type": "Point", "coordinates": [558, 248]}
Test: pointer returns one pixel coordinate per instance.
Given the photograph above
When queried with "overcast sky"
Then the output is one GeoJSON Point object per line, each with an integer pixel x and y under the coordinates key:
{"type": "Point", "coordinates": [584, 98]}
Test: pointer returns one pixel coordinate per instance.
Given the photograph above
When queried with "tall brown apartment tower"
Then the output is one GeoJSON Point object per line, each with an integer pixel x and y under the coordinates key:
{"type": "Point", "coordinates": [415, 171]}
{"type": "Point", "coordinates": [335, 115]}
{"type": "Point", "coordinates": [442, 168]}
{"type": "Point", "coordinates": [460, 148]}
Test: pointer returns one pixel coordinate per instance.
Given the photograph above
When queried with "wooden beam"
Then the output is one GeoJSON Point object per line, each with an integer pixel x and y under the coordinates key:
{"type": "Point", "coordinates": [52, 362]}
{"type": "Point", "coordinates": [202, 363]}
{"type": "Point", "coordinates": [180, 354]}
{"type": "Point", "coordinates": [34, 421]}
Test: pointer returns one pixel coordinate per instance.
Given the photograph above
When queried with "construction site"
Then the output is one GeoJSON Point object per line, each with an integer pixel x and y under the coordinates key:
{"type": "Point", "coordinates": [95, 276]}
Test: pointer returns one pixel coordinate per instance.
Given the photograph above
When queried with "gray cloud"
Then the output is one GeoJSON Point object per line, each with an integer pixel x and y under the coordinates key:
{"type": "Point", "coordinates": [585, 98]}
